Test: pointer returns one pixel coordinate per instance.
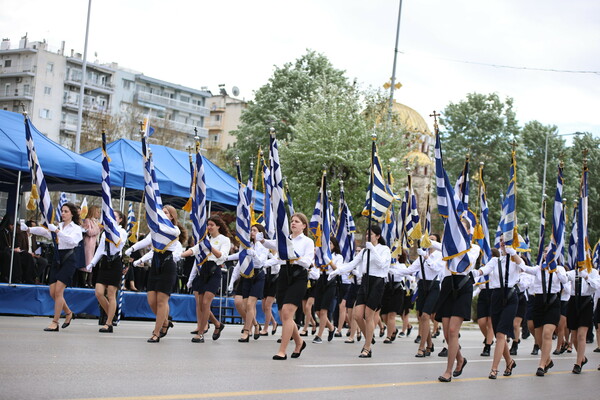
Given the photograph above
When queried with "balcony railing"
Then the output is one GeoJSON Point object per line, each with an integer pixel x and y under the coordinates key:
{"type": "Point", "coordinates": [180, 127]}
{"type": "Point", "coordinates": [107, 86]}
{"type": "Point", "coordinates": [18, 70]}
{"type": "Point", "coordinates": [68, 126]}
{"type": "Point", "coordinates": [17, 94]}
{"type": "Point", "coordinates": [172, 103]}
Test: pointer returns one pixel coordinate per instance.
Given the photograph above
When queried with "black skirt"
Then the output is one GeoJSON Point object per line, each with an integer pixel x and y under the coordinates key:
{"type": "Point", "coordinates": [162, 275]}
{"type": "Point", "coordinates": [324, 292]}
{"type": "Point", "coordinates": [522, 308]}
{"type": "Point", "coordinates": [427, 296]}
{"type": "Point", "coordinates": [580, 312]}
{"type": "Point", "coordinates": [504, 306]}
{"type": "Point", "coordinates": [255, 286]}
{"type": "Point", "coordinates": [455, 297]}
{"type": "Point", "coordinates": [291, 285]}
{"type": "Point", "coordinates": [209, 278]}
{"type": "Point", "coordinates": [393, 298]}
{"type": "Point", "coordinates": [65, 269]}
{"type": "Point", "coordinates": [484, 303]}
{"type": "Point", "coordinates": [270, 284]}
{"type": "Point", "coordinates": [351, 295]}
{"type": "Point", "coordinates": [110, 272]}
{"type": "Point", "coordinates": [546, 312]}
{"type": "Point", "coordinates": [371, 296]}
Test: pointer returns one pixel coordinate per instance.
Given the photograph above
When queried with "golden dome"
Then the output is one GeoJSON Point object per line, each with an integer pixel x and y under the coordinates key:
{"type": "Point", "coordinates": [410, 119]}
{"type": "Point", "coordinates": [418, 158]}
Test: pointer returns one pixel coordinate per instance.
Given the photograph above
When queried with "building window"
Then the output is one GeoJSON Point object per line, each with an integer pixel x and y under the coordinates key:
{"type": "Point", "coordinates": [127, 84]}
{"type": "Point", "coordinates": [50, 67]}
{"type": "Point", "coordinates": [215, 139]}
{"type": "Point", "coordinates": [44, 113]}
{"type": "Point", "coordinates": [7, 63]}
{"type": "Point", "coordinates": [47, 90]}
{"type": "Point", "coordinates": [7, 89]}
{"type": "Point", "coordinates": [184, 99]}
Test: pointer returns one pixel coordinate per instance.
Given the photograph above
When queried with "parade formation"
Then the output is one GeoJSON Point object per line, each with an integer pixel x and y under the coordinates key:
{"type": "Point", "coordinates": [318, 265]}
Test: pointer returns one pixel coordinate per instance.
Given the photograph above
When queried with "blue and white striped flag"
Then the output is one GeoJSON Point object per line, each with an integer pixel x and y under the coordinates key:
{"type": "Point", "coordinates": [461, 189]}
{"type": "Point", "coordinates": [198, 214]}
{"type": "Point", "coordinates": [39, 189]}
{"type": "Point", "coordinates": [482, 232]}
{"type": "Point", "coordinates": [596, 256]}
{"type": "Point", "coordinates": [377, 206]}
{"type": "Point", "coordinates": [584, 259]}
{"type": "Point", "coordinates": [345, 228]}
{"type": "Point", "coordinates": [242, 225]}
{"type": "Point", "coordinates": [557, 240]}
{"type": "Point", "coordinates": [509, 207]}
{"type": "Point", "coordinates": [132, 225]}
{"type": "Point", "coordinates": [542, 237]}
{"type": "Point", "coordinates": [573, 239]}
{"type": "Point", "coordinates": [526, 255]}
{"type": "Point", "coordinates": [61, 202]}
{"type": "Point", "coordinates": [320, 225]}
{"type": "Point", "coordinates": [288, 197]}
{"type": "Point", "coordinates": [285, 248]}
{"type": "Point", "coordinates": [388, 226]}
{"type": "Point", "coordinates": [268, 218]}
{"type": "Point", "coordinates": [162, 230]}
{"type": "Point", "coordinates": [455, 241]}
{"type": "Point", "coordinates": [111, 233]}
{"type": "Point", "coordinates": [413, 225]}
{"type": "Point", "coordinates": [332, 213]}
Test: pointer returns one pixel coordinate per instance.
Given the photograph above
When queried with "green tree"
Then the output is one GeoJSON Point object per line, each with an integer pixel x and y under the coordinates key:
{"type": "Point", "coordinates": [277, 103]}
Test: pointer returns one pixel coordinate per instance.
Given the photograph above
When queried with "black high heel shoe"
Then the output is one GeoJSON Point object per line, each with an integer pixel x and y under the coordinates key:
{"type": "Point", "coordinates": [153, 340]}
{"type": "Point", "coordinates": [66, 324]}
{"type": "Point", "coordinates": [275, 325]}
{"type": "Point", "coordinates": [52, 329]}
{"type": "Point", "coordinates": [256, 332]}
{"type": "Point", "coordinates": [163, 334]}
{"type": "Point", "coordinates": [246, 339]}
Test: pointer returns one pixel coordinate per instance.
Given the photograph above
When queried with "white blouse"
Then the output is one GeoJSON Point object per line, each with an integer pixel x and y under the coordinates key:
{"type": "Point", "coordinates": [68, 235]}
{"type": "Point", "coordinates": [101, 250]}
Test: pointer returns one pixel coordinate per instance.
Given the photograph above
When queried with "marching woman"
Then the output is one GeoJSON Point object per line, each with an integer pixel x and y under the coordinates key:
{"type": "Point", "coordinates": [344, 284]}
{"type": "Point", "coordinates": [504, 301]}
{"type": "Point", "coordinates": [325, 290]}
{"type": "Point", "coordinates": [370, 293]}
{"type": "Point", "coordinates": [580, 310]}
{"type": "Point", "coordinates": [429, 266]}
{"type": "Point", "coordinates": [208, 281]}
{"type": "Point", "coordinates": [162, 276]}
{"type": "Point", "coordinates": [454, 305]}
{"type": "Point", "coordinates": [69, 235]}
{"type": "Point", "coordinates": [272, 267]}
{"type": "Point", "coordinates": [110, 272]}
{"type": "Point", "coordinates": [546, 307]}
{"type": "Point", "coordinates": [251, 289]}
{"type": "Point", "coordinates": [292, 282]}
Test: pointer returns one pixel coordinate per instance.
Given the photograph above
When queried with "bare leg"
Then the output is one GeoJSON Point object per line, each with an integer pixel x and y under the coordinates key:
{"type": "Point", "coordinates": [289, 329]}
{"type": "Point", "coordinates": [342, 315]}
{"type": "Point", "coordinates": [580, 344]}
{"type": "Point", "coordinates": [451, 328]}
{"type": "Point", "coordinates": [111, 292]}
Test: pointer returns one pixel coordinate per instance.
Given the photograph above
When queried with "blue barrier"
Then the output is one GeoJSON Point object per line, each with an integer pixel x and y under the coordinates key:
{"type": "Point", "coordinates": [36, 300]}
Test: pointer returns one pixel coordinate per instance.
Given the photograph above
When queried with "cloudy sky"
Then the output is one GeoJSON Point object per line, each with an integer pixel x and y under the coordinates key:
{"type": "Point", "coordinates": [448, 48]}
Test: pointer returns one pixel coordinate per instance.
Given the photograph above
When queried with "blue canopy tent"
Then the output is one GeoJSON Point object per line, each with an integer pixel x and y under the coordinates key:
{"type": "Point", "coordinates": [172, 171]}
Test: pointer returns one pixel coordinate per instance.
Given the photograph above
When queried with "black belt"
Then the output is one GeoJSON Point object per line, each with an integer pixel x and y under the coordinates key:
{"type": "Point", "coordinates": [63, 255]}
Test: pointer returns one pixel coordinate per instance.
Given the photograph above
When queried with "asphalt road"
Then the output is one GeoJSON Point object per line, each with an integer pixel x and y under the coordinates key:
{"type": "Point", "coordinates": [80, 363]}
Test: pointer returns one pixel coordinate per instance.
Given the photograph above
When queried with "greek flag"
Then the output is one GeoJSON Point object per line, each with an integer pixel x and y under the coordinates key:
{"type": "Point", "coordinates": [596, 256]}
{"type": "Point", "coordinates": [268, 219]}
{"type": "Point", "coordinates": [400, 237]}
{"type": "Point", "coordinates": [413, 226]}
{"type": "Point", "coordinates": [345, 228]}
{"type": "Point", "coordinates": [198, 215]}
{"type": "Point", "coordinates": [542, 233]}
{"type": "Point", "coordinates": [583, 246]}
{"type": "Point", "coordinates": [288, 197]}
{"type": "Point", "coordinates": [332, 213]}
{"type": "Point", "coordinates": [162, 230]}
{"type": "Point", "coordinates": [320, 225]}
{"type": "Point", "coordinates": [108, 215]}
{"type": "Point", "coordinates": [482, 232]}
{"type": "Point", "coordinates": [455, 241]}
{"type": "Point", "coordinates": [377, 206]}
{"type": "Point", "coordinates": [39, 189]}
{"type": "Point", "coordinates": [285, 248]}
{"type": "Point", "coordinates": [526, 255]}
{"type": "Point", "coordinates": [440, 178]}
{"type": "Point", "coordinates": [61, 202]}
{"type": "Point", "coordinates": [573, 240]}
{"type": "Point", "coordinates": [509, 207]}
{"type": "Point", "coordinates": [461, 189]}
{"type": "Point", "coordinates": [132, 225]}
{"type": "Point", "coordinates": [388, 226]}
{"type": "Point", "coordinates": [242, 225]}
{"type": "Point", "coordinates": [425, 241]}
{"type": "Point", "coordinates": [557, 239]}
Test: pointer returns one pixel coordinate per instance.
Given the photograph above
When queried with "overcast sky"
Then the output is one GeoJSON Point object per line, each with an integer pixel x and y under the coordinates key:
{"type": "Point", "coordinates": [236, 42]}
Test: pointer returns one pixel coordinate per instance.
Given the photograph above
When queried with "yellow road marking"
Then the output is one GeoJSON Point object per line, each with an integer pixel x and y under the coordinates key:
{"type": "Point", "coordinates": [307, 390]}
